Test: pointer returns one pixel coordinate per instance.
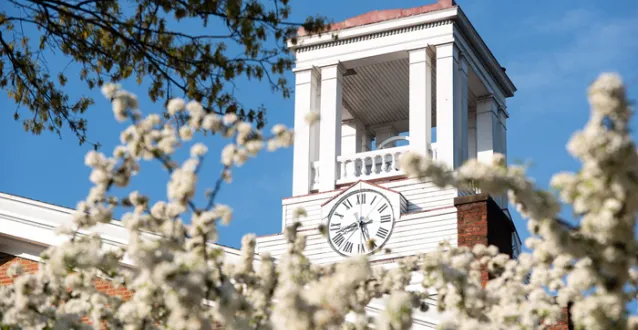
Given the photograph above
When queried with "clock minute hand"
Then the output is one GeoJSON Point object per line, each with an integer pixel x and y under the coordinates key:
{"type": "Point", "coordinates": [364, 232]}
{"type": "Point", "coordinates": [372, 209]}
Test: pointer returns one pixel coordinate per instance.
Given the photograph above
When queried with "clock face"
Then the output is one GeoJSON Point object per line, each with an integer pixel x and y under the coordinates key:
{"type": "Point", "coordinates": [356, 219]}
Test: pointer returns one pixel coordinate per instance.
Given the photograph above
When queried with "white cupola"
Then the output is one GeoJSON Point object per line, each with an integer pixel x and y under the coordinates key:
{"type": "Point", "coordinates": [386, 82]}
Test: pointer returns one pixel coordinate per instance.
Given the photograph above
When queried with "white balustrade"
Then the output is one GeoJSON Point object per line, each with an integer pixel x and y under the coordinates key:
{"type": "Point", "coordinates": [370, 165]}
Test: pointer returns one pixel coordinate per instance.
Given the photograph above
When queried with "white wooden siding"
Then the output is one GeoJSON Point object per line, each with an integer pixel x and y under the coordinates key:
{"type": "Point", "coordinates": [428, 218]}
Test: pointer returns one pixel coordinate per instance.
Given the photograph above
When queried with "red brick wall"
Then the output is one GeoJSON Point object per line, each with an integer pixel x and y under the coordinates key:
{"type": "Point", "coordinates": [30, 267]}
{"type": "Point", "coordinates": [472, 228]}
{"type": "Point", "coordinates": [472, 221]}
{"type": "Point", "coordinates": [565, 323]}
{"type": "Point", "coordinates": [481, 221]}
{"type": "Point", "coordinates": [6, 261]}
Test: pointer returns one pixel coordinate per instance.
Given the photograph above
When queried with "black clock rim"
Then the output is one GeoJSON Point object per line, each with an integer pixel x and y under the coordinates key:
{"type": "Point", "coordinates": [333, 209]}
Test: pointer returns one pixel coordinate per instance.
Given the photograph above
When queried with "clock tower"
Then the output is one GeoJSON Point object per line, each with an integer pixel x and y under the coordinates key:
{"type": "Point", "coordinates": [383, 83]}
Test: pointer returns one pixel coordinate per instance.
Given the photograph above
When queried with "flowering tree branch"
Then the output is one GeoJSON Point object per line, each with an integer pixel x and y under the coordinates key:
{"type": "Point", "coordinates": [182, 282]}
{"type": "Point", "coordinates": [112, 41]}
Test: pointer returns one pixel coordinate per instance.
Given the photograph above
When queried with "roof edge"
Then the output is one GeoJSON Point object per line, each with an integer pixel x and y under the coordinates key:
{"type": "Point", "coordinates": [483, 51]}
{"type": "Point", "coordinates": [377, 16]}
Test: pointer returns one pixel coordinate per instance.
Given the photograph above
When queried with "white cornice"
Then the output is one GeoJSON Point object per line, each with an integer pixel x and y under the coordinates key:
{"type": "Point", "coordinates": [26, 221]}
{"type": "Point", "coordinates": [344, 41]}
{"type": "Point", "coordinates": [365, 30]}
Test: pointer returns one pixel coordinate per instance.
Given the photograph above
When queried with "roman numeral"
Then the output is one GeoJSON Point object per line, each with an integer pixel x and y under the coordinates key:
{"type": "Point", "coordinates": [382, 208]}
{"type": "Point", "coordinates": [386, 218]}
{"type": "Point", "coordinates": [338, 239]}
{"type": "Point", "coordinates": [335, 226]}
{"type": "Point", "coordinates": [339, 215]}
{"type": "Point", "coordinates": [361, 199]}
{"type": "Point", "coordinates": [347, 204]}
{"type": "Point", "coordinates": [348, 247]}
{"type": "Point", "coordinates": [382, 233]}
{"type": "Point", "coordinates": [372, 202]}
{"type": "Point", "coordinates": [361, 248]}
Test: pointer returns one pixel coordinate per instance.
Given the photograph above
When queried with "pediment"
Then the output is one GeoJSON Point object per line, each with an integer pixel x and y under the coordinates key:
{"type": "Point", "coordinates": [399, 202]}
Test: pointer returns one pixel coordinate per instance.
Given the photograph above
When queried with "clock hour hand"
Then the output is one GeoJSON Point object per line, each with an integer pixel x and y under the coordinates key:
{"type": "Point", "coordinates": [349, 228]}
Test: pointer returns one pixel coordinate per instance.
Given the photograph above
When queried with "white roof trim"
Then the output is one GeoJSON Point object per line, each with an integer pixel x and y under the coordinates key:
{"type": "Point", "coordinates": [357, 31]}
{"type": "Point", "coordinates": [26, 221]}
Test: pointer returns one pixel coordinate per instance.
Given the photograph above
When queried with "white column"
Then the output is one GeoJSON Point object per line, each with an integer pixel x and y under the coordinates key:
{"type": "Point", "coordinates": [351, 137]}
{"type": "Point", "coordinates": [471, 133]}
{"type": "Point", "coordinates": [463, 114]}
{"type": "Point", "coordinates": [503, 132]}
{"type": "Point", "coordinates": [448, 106]}
{"type": "Point", "coordinates": [330, 125]}
{"type": "Point", "coordinates": [490, 134]}
{"type": "Point", "coordinates": [306, 88]}
{"type": "Point", "coordinates": [487, 126]}
{"type": "Point", "coordinates": [366, 141]}
{"type": "Point", "coordinates": [383, 133]}
{"type": "Point", "coordinates": [502, 143]}
{"type": "Point", "coordinates": [420, 116]}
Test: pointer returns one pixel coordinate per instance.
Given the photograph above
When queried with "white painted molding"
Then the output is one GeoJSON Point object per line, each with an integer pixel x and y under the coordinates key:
{"type": "Point", "coordinates": [27, 227]}
{"type": "Point", "coordinates": [380, 27]}
{"type": "Point", "coordinates": [374, 35]}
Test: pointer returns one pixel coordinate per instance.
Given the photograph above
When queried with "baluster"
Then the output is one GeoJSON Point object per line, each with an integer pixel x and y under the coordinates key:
{"type": "Point", "coordinates": [315, 173]}
{"type": "Point", "coordinates": [384, 163]}
{"type": "Point", "coordinates": [350, 169]}
{"type": "Point", "coordinates": [393, 161]}
{"type": "Point", "coordinates": [364, 167]}
{"type": "Point", "coordinates": [365, 162]}
{"type": "Point", "coordinates": [342, 169]}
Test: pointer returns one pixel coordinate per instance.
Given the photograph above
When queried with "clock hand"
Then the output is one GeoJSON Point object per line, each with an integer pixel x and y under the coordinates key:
{"type": "Point", "coordinates": [348, 228]}
{"type": "Point", "coordinates": [360, 205]}
{"type": "Point", "coordinates": [365, 233]}
{"type": "Point", "coordinates": [372, 209]}
{"type": "Point", "coordinates": [347, 239]}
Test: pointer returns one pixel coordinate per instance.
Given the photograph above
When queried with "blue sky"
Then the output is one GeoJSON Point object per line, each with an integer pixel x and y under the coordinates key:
{"type": "Point", "coordinates": [551, 49]}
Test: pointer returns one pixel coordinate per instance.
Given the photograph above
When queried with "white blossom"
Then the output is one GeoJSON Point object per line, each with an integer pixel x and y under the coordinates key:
{"type": "Point", "coordinates": [198, 150]}
{"type": "Point", "coordinates": [109, 90]}
{"type": "Point", "coordinates": [230, 118]}
{"type": "Point", "coordinates": [186, 133]}
{"type": "Point", "coordinates": [224, 212]}
{"type": "Point", "coordinates": [312, 117]}
{"type": "Point", "coordinates": [212, 122]}
{"type": "Point", "coordinates": [180, 281]}
{"type": "Point", "coordinates": [175, 105]}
